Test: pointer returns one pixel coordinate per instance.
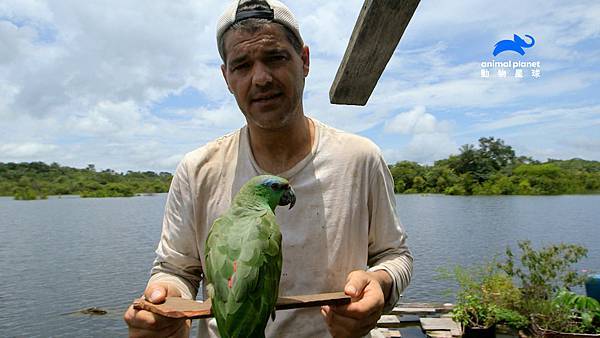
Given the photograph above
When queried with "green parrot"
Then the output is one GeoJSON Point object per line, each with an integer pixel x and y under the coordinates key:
{"type": "Point", "coordinates": [243, 258]}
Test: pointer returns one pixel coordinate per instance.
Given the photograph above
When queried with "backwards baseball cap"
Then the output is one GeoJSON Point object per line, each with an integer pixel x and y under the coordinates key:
{"type": "Point", "coordinates": [272, 10]}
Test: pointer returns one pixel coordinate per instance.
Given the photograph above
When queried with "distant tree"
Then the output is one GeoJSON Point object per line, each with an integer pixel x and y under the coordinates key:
{"type": "Point", "coordinates": [491, 156]}
{"type": "Point", "coordinates": [37, 180]}
{"type": "Point", "coordinates": [404, 174]}
{"type": "Point", "coordinates": [496, 153]}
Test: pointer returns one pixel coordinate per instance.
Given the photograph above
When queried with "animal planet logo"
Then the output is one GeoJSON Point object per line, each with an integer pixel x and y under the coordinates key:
{"type": "Point", "coordinates": [502, 68]}
{"type": "Point", "coordinates": [516, 45]}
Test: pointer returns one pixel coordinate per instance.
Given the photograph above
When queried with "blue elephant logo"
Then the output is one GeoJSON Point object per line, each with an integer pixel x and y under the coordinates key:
{"type": "Point", "coordinates": [516, 46]}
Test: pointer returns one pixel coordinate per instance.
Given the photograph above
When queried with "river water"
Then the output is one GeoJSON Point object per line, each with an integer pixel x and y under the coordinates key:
{"type": "Point", "coordinates": [61, 255]}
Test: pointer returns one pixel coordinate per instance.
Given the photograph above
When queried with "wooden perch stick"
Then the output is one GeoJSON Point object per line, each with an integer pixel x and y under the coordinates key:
{"type": "Point", "coordinates": [175, 307]}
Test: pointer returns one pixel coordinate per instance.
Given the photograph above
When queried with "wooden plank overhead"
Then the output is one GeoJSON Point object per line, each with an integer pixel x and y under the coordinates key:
{"type": "Point", "coordinates": [378, 30]}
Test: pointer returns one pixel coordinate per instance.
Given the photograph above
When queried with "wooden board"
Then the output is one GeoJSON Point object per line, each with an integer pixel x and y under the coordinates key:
{"type": "Point", "coordinates": [441, 324]}
{"type": "Point", "coordinates": [389, 321]}
{"type": "Point", "coordinates": [426, 305]}
{"type": "Point", "coordinates": [175, 307]}
{"type": "Point", "coordinates": [397, 322]}
{"type": "Point", "coordinates": [377, 32]}
{"type": "Point", "coordinates": [387, 333]}
{"type": "Point", "coordinates": [421, 308]}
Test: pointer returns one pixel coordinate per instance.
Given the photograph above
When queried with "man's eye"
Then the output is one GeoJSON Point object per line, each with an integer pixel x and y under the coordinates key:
{"type": "Point", "coordinates": [241, 66]}
{"type": "Point", "coordinates": [276, 58]}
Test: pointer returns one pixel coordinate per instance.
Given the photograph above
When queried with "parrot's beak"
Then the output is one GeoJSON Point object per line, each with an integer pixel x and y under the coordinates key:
{"type": "Point", "coordinates": [288, 197]}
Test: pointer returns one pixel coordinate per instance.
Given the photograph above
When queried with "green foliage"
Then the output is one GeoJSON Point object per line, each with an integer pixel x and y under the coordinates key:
{"type": "Point", "coordinates": [585, 309]}
{"type": "Point", "coordinates": [511, 318]}
{"type": "Point", "coordinates": [531, 285]}
{"type": "Point", "coordinates": [472, 311]}
{"type": "Point", "coordinates": [492, 168]}
{"type": "Point", "coordinates": [26, 194]}
{"type": "Point", "coordinates": [543, 272]}
{"type": "Point", "coordinates": [545, 277]}
{"type": "Point", "coordinates": [486, 296]}
{"type": "Point", "coordinates": [567, 312]}
{"type": "Point", "coordinates": [34, 180]}
{"type": "Point", "coordinates": [491, 156]}
{"type": "Point", "coordinates": [404, 174]}
{"type": "Point", "coordinates": [547, 315]}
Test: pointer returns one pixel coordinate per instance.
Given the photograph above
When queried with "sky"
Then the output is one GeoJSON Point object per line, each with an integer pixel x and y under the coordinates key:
{"type": "Point", "coordinates": [136, 84]}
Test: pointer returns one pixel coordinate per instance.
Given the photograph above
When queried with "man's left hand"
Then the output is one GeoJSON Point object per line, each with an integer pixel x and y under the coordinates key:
{"type": "Point", "coordinates": [356, 319]}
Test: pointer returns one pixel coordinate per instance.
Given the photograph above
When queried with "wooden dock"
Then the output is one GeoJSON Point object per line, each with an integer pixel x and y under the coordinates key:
{"type": "Point", "coordinates": [419, 320]}
{"type": "Point", "coordinates": [432, 320]}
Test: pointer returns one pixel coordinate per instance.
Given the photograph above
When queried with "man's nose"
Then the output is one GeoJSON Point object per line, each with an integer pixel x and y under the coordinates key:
{"type": "Point", "coordinates": [261, 74]}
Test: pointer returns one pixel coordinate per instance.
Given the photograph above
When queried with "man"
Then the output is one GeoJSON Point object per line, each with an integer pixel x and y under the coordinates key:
{"type": "Point", "coordinates": [344, 220]}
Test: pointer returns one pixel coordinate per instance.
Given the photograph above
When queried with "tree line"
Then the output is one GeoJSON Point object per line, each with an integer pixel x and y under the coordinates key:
{"type": "Point", "coordinates": [492, 168]}
{"type": "Point", "coordinates": [35, 180]}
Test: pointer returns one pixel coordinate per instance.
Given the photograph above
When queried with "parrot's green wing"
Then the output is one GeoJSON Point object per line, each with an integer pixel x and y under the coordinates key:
{"type": "Point", "coordinates": [243, 263]}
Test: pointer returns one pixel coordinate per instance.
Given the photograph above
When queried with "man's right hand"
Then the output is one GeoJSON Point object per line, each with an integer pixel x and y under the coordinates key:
{"type": "Point", "coordinates": [144, 323]}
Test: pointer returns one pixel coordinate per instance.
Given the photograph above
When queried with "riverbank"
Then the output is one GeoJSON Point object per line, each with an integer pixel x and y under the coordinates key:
{"type": "Point", "coordinates": [493, 168]}
{"type": "Point", "coordinates": [37, 180]}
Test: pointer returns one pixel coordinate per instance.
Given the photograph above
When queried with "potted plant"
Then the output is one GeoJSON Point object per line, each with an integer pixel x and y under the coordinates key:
{"type": "Point", "coordinates": [572, 315]}
{"type": "Point", "coordinates": [546, 277]}
{"type": "Point", "coordinates": [476, 317]}
{"type": "Point", "coordinates": [486, 297]}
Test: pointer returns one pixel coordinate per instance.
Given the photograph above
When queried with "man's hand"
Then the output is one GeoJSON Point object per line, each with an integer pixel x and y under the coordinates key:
{"type": "Point", "coordinates": [147, 324]}
{"type": "Point", "coordinates": [368, 290]}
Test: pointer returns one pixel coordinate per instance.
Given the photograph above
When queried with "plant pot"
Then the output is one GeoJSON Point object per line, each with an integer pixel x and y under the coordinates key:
{"type": "Point", "coordinates": [480, 332]}
{"type": "Point", "coordinates": [544, 333]}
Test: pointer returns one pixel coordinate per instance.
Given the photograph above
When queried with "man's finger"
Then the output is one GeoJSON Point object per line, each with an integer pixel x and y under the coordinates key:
{"type": "Point", "coordinates": [355, 283]}
{"type": "Point", "coordinates": [171, 331]}
{"type": "Point", "coordinates": [338, 325]}
{"type": "Point", "coordinates": [156, 294]}
{"type": "Point", "coordinates": [143, 319]}
{"type": "Point", "coordinates": [359, 309]}
{"type": "Point", "coordinates": [343, 326]}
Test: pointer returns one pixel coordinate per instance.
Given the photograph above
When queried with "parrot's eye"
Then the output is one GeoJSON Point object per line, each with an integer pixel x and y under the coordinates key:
{"type": "Point", "coordinates": [275, 186]}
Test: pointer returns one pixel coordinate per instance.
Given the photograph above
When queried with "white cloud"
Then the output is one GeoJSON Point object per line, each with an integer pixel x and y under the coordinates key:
{"type": "Point", "coordinates": [139, 52]}
{"type": "Point", "coordinates": [328, 25]}
{"type": "Point", "coordinates": [423, 148]}
{"type": "Point", "coordinates": [110, 118]}
{"type": "Point", "coordinates": [557, 24]}
{"type": "Point", "coordinates": [416, 121]}
{"type": "Point", "coordinates": [82, 79]}
{"type": "Point", "coordinates": [227, 116]}
{"type": "Point", "coordinates": [14, 40]}
{"type": "Point", "coordinates": [559, 118]}
{"type": "Point", "coordinates": [430, 139]}
{"type": "Point", "coordinates": [25, 150]}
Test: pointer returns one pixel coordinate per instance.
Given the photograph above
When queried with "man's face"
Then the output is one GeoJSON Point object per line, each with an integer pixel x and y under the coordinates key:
{"type": "Point", "coordinates": [266, 75]}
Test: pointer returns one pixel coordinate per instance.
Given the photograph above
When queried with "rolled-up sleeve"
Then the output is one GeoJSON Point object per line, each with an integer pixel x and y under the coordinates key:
{"type": "Point", "coordinates": [387, 239]}
{"type": "Point", "coordinates": [177, 259]}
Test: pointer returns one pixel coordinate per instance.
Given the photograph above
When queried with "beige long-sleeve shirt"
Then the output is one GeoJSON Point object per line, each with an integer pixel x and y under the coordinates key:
{"type": "Point", "coordinates": [344, 219]}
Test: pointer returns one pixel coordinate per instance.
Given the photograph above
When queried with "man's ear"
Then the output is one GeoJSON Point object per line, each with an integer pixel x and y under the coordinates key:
{"type": "Point", "coordinates": [305, 60]}
{"type": "Point", "coordinates": [224, 72]}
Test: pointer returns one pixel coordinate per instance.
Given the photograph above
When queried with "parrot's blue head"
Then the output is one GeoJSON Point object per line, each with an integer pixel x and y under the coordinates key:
{"type": "Point", "coordinates": [276, 189]}
{"type": "Point", "coordinates": [281, 187]}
